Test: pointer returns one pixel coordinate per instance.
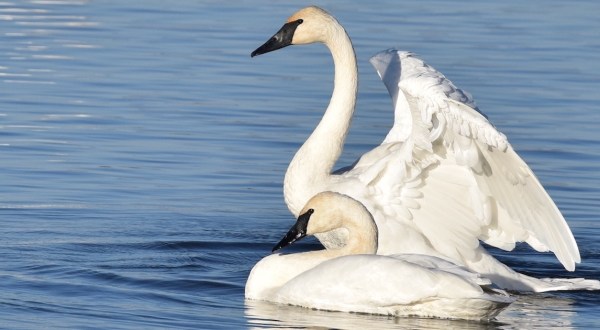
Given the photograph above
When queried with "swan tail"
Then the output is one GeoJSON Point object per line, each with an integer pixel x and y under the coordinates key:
{"type": "Point", "coordinates": [568, 284]}
{"type": "Point", "coordinates": [524, 283]}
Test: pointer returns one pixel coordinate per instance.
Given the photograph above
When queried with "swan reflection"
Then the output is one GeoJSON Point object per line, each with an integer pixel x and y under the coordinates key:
{"type": "Point", "coordinates": [534, 311]}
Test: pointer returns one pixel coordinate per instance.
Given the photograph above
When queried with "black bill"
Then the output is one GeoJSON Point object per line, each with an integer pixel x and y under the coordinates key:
{"type": "Point", "coordinates": [296, 233]}
{"type": "Point", "coordinates": [281, 39]}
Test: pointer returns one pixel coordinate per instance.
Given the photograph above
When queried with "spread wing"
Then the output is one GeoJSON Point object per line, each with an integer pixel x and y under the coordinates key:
{"type": "Point", "coordinates": [445, 173]}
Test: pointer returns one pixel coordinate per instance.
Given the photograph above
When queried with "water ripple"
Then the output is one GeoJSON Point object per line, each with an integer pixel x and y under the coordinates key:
{"type": "Point", "coordinates": [143, 151]}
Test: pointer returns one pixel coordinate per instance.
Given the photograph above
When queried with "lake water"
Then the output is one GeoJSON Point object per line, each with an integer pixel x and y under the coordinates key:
{"type": "Point", "coordinates": [143, 151]}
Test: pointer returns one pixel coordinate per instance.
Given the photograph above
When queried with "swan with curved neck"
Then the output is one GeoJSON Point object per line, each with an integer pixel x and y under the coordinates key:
{"type": "Point", "coordinates": [353, 279]}
{"type": "Point", "coordinates": [310, 170]}
{"type": "Point", "coordinates": [443, 179]}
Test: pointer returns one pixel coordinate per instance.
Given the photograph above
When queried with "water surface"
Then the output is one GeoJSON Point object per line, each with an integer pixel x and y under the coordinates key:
{"type": "Point", "coordinates": [143, 151]}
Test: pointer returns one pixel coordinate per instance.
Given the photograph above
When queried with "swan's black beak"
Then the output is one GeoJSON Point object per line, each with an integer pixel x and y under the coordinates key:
{"type": "Point", "coordinates": [296, 233]}
{"type": "Point", "coordinates": [282, 38]}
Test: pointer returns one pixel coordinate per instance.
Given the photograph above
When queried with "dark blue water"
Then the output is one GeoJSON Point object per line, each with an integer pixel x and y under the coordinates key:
{"type": "Point", "coordinates": [142, 151]}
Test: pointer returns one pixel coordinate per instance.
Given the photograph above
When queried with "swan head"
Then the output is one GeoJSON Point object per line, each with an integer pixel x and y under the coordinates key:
{"type": "Point", "coordinates": [327, 211]}
{"type": "Point", "coordinates": [308, 25]}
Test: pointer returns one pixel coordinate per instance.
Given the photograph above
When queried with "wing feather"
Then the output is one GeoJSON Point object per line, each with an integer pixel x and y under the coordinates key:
{"type": "Point", "coordinates": [438, 101]}
{"type": "Point", "coordinates": [517, 190]}
{"type": "Point", "coordinates": [445, 168]}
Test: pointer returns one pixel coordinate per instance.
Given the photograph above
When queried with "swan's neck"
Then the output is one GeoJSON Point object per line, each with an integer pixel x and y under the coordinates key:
{"type": "Point", "coordinates": [312, 165]}
{"type": "Point", "coordinates": [361, 229]}
{"type": "Point", "coordinates": [342, 212]}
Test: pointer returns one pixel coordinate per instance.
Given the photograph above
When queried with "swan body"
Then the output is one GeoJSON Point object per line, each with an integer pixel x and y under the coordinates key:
{"type": "Point", "coordinates": [444, 178]}
{"type": "Point", "coordinates": [353, 278]}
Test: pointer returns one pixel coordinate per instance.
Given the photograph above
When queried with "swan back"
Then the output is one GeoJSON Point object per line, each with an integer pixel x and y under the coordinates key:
{"type": "Point", "coordinates": [385, 285]}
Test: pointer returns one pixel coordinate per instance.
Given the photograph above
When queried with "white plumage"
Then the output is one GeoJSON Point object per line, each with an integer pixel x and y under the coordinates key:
{"type": "Point", "coordinates": [442, 180]}
{"type": "Point", "coordinates": [353, 279]}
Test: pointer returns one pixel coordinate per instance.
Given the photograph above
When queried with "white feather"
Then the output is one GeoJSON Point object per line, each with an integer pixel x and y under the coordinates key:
{"type": "Point", "coordinates": [443, 179]}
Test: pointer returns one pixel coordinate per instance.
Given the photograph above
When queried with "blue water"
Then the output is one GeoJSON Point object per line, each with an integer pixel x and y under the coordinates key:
{"type": "Point", "coordinates": [142, 150]}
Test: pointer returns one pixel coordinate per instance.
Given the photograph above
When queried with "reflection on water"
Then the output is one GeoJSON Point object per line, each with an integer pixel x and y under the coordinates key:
{"type": "Point", "coordinates": [34, 34]}
{"type": "Point", "coordinates": [541, 311]}
{"type": "Point", "coordinates": [270, 315]}
{"type": "Point", "coordinates": [534, 311]}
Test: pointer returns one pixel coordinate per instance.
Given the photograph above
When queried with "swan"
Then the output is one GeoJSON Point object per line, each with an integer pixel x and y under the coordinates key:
{"type": "Point", "coordinates": [352, 278]}
{"type": "Point", "coordinates": [443, 180]}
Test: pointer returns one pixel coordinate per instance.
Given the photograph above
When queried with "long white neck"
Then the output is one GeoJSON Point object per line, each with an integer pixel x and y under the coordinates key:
{"type": "Point", "coordinates": [311, 167]}
{"type": "Point", "coordinates": [361, 228]}
{"type": "Point", "coordinates": [338, 211]}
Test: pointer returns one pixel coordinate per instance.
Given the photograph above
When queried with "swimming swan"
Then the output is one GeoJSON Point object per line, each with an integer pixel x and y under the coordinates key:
{"type": "Point", "coordinates": [442, 180]}
{"type": "Point", "coordinates": [353, 278]}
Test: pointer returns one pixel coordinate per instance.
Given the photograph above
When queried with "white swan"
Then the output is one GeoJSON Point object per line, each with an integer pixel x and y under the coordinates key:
{"type": "Point", "coordinates": [353, 279]}
{"type": "Point", "coordinates": [442, 180]}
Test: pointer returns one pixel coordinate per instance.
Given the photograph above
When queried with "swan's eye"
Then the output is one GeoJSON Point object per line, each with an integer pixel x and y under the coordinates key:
{"type": "Point", "coordinates": [310, 211]}
{"type": "Point", "coordinates": [300, 21]}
